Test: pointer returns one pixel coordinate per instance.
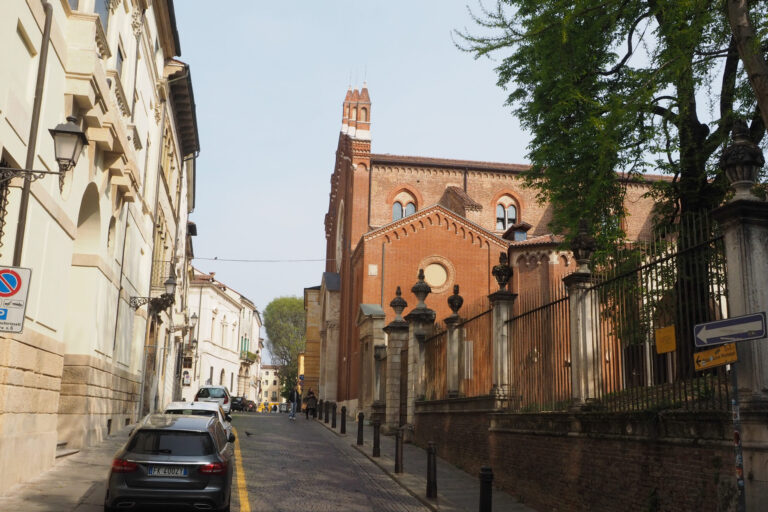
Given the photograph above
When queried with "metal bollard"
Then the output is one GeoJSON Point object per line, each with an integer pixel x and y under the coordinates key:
{"type": "Point", "coordinates": [486, 490]}
{"type": "Point", "coordinates": [431, 471]}
{"type": "Point", "coordinates": [333, 418]}
{"type": "Point", "coordinates": [320, 410]}
{"type": "Point", "coordinates": [360, 418]}
{"type": "Point", "coordinates": [399, 451]}
{"type": "Point", "coordinates": [325, 418]}
{"type": "Point", "coordinates": [343, 419]}
{"type": "Point", "coordinates": [376, 440]}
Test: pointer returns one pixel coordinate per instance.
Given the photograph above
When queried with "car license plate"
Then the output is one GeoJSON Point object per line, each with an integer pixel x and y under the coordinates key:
{"type": "Point", "coordinates": [167, 471]}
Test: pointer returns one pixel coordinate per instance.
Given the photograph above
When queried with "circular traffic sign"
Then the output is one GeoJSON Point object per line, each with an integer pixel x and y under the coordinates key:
{"type": "Point", "coordinates": [10, 283]}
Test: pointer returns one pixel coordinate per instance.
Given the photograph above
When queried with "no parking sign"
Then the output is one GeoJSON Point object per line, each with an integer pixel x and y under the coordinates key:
{"type": "Point", "coordinates": [14, 288]}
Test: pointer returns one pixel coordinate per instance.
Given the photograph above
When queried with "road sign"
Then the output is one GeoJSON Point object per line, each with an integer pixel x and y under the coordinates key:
{"type": "Point", "coordinates": [14, 289]}
{"type": "Point", "coordinates": [717, 356]}
{"type": "Point", "coordinates": [665, 340]}
{"type": "Point", "coordinates": [740, 328]}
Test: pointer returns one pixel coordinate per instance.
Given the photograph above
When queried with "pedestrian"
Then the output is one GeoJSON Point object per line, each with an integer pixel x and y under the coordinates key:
{"type": "Point", "coordinates": [294, 397]}
{"type": "Point", "coordinates": [311, 401]}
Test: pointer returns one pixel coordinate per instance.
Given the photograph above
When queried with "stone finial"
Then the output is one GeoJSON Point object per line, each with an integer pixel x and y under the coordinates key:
{"type": "Point", "coordinates": [398, 304]}
{"type": "Point", "coordinates": [455, 301]}
{"type": "Point", "coordinates": [421, 289]}
{"type": "Point", "coordinates": [502, 272]}
{"type": "Point", "coordinates": [583, 246]}
{"type": "Point", "coordinates": [741, 161]}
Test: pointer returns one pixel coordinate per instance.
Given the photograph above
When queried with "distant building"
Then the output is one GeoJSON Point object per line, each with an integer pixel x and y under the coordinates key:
{"type": "Point", "coordinates": [270, 385]}
{"type": "Point", "coordinates": [226, 342]}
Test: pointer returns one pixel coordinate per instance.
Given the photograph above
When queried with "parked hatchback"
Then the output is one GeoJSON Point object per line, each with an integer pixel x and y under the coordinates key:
{"type": "Point", "coordinates": [215, 394]}
{"type": "Point", "coordinates": [171, 461]}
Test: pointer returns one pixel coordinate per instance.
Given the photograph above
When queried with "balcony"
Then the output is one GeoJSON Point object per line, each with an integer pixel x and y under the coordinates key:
{"type": "Point", "coordinates": [161, 271]}
{"type": "Point", "coordinates": [248, 357]}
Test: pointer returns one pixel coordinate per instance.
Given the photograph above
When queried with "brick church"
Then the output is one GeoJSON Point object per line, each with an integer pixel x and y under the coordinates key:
{"type": "Point", "coordinates": [390, 216]}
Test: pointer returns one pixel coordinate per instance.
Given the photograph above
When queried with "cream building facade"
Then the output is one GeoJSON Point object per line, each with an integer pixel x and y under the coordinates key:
{"type": "Point", "coordinates": [226, 340]}
{"type": "Point", "coordinates": [115, 226]}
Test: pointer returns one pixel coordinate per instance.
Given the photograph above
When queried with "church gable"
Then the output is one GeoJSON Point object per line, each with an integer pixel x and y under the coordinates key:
{"type": "Point", "coordinates": [438, 219]}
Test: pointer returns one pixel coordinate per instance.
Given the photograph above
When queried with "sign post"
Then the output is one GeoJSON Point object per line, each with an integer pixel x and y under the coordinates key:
{"type": "Point", "coordinates": [740, 328]}
{"type": "Point", "coordinates": [14, 289]}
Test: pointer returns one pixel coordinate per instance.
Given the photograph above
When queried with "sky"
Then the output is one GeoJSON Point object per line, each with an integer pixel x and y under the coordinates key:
{"type": "Point", "coordinates": [269, 80]}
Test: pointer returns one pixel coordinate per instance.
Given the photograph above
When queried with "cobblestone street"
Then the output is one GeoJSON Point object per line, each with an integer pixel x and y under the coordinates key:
{"type": "Point", "coordinates": [301, 465]}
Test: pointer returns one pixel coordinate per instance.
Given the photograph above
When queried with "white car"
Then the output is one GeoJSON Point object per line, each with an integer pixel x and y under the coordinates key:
{"type": "Point", "coordinates": [218, 394]}
{"type": "Point", "coordinates": [201, 409]}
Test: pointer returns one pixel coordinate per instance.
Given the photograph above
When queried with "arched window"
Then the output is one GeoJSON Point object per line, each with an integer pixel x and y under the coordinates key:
{"type": "Point", "coordinates": [506, 216]}
{"type": "Point", "coordinates": [410, 209]}
{"type": "Point", "coordinates": [363, 114]}
{"type": "Point", "coordinates": [397, 211]}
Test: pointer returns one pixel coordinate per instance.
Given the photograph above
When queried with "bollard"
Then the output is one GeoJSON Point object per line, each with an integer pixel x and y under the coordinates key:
{"type": "Point", "coordinates": [399, 451]}
{"type": "Point", "coordinates": [333, 417]}
{"type": "Point", "coordinates": [343, 419]}
{"type": "Point", "coordinates": [360, 418]}
{"type": "Point", "coordinates": [431, 471]}
{"type": "Point", "coordinates": [325, 418]}
{"type": "Point", "coordinates": [376, 434]}
{"type": "Point", "coordinates": [320, 410]}
{"type": "Point", "coordinates": [486, 490]}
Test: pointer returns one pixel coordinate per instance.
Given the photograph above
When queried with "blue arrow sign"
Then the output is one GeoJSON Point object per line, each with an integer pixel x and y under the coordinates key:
{"type": "Point", "coordinates": [740, 328]}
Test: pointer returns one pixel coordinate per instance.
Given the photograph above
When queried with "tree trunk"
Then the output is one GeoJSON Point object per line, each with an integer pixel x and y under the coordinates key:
{"type": "Point", "coordinates": [749, 52]}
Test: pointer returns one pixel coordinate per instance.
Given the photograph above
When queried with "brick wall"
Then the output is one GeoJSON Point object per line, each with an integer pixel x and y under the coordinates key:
{"type": "Point", "coordinates": [673, 461]}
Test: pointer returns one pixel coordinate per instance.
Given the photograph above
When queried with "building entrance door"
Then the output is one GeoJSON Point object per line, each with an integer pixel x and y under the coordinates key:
{"type": "Point", "coordinates": [403, 387]}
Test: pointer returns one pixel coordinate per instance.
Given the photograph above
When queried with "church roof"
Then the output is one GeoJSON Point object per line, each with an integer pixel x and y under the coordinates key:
{"type": "Point", "coordinates": [421, 161]}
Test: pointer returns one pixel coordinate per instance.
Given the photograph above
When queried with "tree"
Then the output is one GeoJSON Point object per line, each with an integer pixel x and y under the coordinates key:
{"type": "Point", "coordinates": [610, 89]}
{"type": "Point", "coordinates": [284, 324]}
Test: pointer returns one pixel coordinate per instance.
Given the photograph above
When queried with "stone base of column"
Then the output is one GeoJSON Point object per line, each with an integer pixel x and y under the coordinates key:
{"type": "Point", "coordinates": [453, 394]}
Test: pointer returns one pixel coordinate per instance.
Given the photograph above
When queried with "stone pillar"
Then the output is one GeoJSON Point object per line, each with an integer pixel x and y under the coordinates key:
{"type": "Point", "coordinates": [744, 221]}
{"type": "Point", "coordinates": [422, 321]}
{"type": "Point", "coordinates": [454, 345]}
{"type": "Point", "coordinates": [378, 408]}
{"type": "Point", "coordinates": [501, 305]}
{"type": "Point", "coordinates": [370, 323]}
{"type": "Point", "coordinates": [397, 334]}
{"type": "Point", "coordinates": [583, 306]}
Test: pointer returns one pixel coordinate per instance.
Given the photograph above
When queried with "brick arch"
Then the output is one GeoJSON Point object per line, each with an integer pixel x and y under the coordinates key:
{"type": "Point", "coordinates": [409, 188]}
{"type": "Point", "coordinates": [514, 195]}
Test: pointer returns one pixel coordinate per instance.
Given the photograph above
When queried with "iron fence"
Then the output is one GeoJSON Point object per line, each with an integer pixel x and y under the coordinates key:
{"type": "Point", "coordinates": [475, 368]}
{"type": "Point", "coordinates": [161, 271]}
{"type": "Point", "coordinates": [436, 366]}
{"type": "Point", "coordinates": [540, 353]}
{"type": "Point", "coordinates": [675, 281]}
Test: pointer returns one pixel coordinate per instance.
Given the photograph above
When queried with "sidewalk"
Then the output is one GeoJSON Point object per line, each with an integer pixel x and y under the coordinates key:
{"type": "Point", "coordinates": [457, 491]}
{"type": "Point", "coordinates": [76, 483]}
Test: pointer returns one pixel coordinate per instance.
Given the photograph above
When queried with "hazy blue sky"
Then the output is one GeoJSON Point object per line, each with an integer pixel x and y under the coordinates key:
{"type": "Point", "coordinates": [269, 81]}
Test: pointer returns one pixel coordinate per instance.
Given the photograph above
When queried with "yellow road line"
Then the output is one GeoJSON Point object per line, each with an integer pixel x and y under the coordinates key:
{"type": "Point", "coordinates": [242, 492]}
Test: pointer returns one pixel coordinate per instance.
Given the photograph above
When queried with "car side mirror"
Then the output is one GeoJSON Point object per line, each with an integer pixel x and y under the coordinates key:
{"type": "Point", "coordinates": [231, 438]}
{"type": "Point", "coordinates": [228, 418]}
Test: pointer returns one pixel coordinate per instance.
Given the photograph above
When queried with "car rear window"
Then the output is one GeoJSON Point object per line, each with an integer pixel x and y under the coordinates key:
{"type": "Point", "coordinates": [193, 412]}
{"type": "Point", "coordinates": [171, 443]}
{"type": "Point", "coordinates": [211, 393]}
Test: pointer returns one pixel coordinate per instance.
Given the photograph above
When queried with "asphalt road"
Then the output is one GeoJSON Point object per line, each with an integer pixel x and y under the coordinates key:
{"type": "Point", "coordinates": [300, 465]}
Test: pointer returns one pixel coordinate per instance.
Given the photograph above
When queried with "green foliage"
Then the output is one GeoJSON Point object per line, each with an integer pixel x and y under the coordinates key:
{"type": "Point", "coordinates": [284, 323]}
{"type": "Point", "coordinates": [611, 89]}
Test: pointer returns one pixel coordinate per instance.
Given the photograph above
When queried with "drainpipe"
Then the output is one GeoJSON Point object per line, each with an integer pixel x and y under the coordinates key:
{"type": "Point", "coordinates": [32, 146]}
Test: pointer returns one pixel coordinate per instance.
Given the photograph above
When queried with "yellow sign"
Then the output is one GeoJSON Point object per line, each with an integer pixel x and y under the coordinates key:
{"type": "Point", "coordinates": [717, 356]}
{"type": "Point", "coordinates": [665, 340]}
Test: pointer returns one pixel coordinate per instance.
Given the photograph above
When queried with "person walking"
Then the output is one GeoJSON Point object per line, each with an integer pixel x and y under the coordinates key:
{"type": "Point", "coordinates": [311, 401]}
{"type": "Point", "coordinates": [294, 396]}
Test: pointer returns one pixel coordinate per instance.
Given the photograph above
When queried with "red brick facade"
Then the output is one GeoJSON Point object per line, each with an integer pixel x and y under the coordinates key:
{"type": "Point", "coordinates": [453, 233]}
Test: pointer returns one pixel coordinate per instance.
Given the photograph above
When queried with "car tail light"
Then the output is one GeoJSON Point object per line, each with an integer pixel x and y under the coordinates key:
{"type": "Point", "coordinates": [226, 399]}
{"type": "Point", "coordinates": [214, 469]}
{"type": "Point", "coordinates": [123, 466]}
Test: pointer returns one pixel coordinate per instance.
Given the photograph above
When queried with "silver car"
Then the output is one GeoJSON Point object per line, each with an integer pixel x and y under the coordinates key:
{"type": "Point", "coordinates": [171, 461]}
{"type": "Point", "coordinates": [218, 394]}
{"type": "Point", "coordinates": [201, 409]}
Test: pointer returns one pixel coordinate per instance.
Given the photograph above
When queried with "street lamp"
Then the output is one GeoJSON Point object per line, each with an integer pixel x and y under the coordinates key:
{"type": "Point", "coordinates": [68, 143]}
{"type": "Point", "coordinates": [157, 304]}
